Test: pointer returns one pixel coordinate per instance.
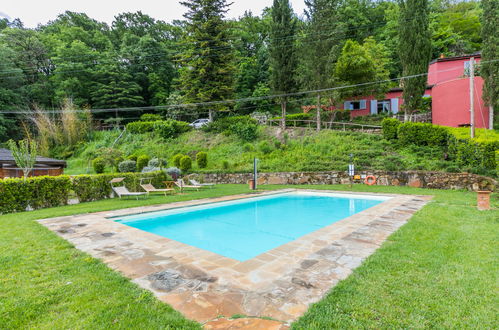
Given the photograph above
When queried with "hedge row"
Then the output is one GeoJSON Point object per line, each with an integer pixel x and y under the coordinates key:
{"type": "Point", "coordinates": [165, 128]}
{"type": "Point", "coordinates": [16, 195]}
{"type": "Point", "coordinates": [480, 152]}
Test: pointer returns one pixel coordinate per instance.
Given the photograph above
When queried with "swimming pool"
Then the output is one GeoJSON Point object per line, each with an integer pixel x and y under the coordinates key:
{"type": "Point", "coordinates": [245, 228]}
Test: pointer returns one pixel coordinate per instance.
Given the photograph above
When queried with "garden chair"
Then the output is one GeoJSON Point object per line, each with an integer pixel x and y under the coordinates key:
{"type": "Point", "coordinates": [123, 191]}
{"type": "Point", "coordinates": [149, 188]}
{"type": "Point", "coordinates": [196, 183]}
{"type": "Point", "coordinates": [180, 183]}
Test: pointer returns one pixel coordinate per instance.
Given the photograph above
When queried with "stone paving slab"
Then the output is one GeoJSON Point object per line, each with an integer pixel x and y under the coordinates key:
{"type": "Point", "coordinates": [278, 284]}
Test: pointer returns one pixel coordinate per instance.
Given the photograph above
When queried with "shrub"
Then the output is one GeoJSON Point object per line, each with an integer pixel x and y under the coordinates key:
{"type": "Point", "coordinates": [174, 172]}
{"type": "Point", "coordinates": [140, 127]}
{"type": "Point", "coordinates": [99, 164]}
{"type": "Point", "coordinates": [222, 125]}
{"type": "Point", "coordinates": [390, 128]}
{"type": "Point", "coordinates": [150, 117]}
{"type": "Point", "coordinates": [176, 159]}
{"type": "Point", "coordinates": [157, 162]}
{"type": "Point", "coordinates": [132, 157]}
{"type": "Point", "coordinates": [394, 163]}
{"type": "Point", "coordinates": [422, 134]}
{"type": "Point", "coordinates": [247, 147]}
{"type": "Point", "coordinates": [142, 162]}
{"type": "Point", "coordinates": [265, 147]}
{"type": "Point", "coordinates": [185, 163]}
{"type": "Point", "coordinates": [38, 192]}
{"type": "Point", "coordinates": [127, 166]}
{"type": "Point", "coordinates": [202, 159]}
{"type": "Point", "coordinates": [244, 131]}
{"type": "Point", "coordinates": [225, 165]}
{"type": "Point", "coordinates": [168, 129]}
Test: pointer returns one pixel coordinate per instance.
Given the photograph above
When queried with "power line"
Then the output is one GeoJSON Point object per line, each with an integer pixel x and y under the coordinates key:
{"type": "Point", "coordinates": [221, 102]}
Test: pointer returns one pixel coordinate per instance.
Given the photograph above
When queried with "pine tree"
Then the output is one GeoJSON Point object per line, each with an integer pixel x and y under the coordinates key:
{"type": "Point", "coordinates": [282, 52]}
{"type": "Point", "coordinates": [414, 51]}
{"type": "Point", "coordinates": [207, 61]}
{"type": "Point", "coordinates": [490, 54]}
{"type": "Point", "coordinates": [322, 46]}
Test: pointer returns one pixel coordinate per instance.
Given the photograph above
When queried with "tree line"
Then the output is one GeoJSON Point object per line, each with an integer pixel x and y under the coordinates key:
{"type": "Point", "coordinates": [139, 61]}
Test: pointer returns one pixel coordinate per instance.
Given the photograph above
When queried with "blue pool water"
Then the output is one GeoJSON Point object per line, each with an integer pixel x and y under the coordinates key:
{"type": "Point", "coordinates": [246, 228]}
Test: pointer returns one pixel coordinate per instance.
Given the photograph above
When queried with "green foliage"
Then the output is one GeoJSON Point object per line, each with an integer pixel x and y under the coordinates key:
{"type": "Point", "coordinates": [142, 162]}
{"type": "Point", "coordinates": [489, 67]}
{"type": "Point", "coordinates": [150, 117]}
{"type": "Point", "coordinates": [127, 166]}
{"type": "Point", "coordinates": [390, 128]}
{"type": "Point", "coordinates": [223, 125]}
{"type": "Point", "coordinates": [414, 50]}
{"type": "Point", "coordinates": [422, 134]}
{"type": "Point", "coordinates": [157, 163]}
{"type": "Point", "coordinates": [176, 159]}
{"type": "Point", "coordinates": [36, 192]}
{"type": "Point", "coordinates": [265, 147]}
{"type": "Point", "coordinates": [225, 164]}
{"type": "Point", "coordinates": [202, 159]}
{"type": "Point", "coordinates": [99, 165]}
{"type": "Point", "coordinates": [185, 163]}
{"type": "Point", "coordinates": [479, 155]}
{"type": "Point", "coordinates": [244, 131]}
{"type": "Point", "coordinates": [166, 129]}
{"type": "Point", "coordinates": [140, 127]}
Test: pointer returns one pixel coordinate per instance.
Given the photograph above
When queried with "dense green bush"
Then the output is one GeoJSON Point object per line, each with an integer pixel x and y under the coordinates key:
{"type": "Point", "coordinates": [99, 165]}
{"type": "Point", "coordinates": [298, 117]}
{"type": "Point", "coordinates": [157, 162]}
{"type": "Point", "coordinates": [127, 166]}
{"type": "Point", "coordinates": [185, 163]}
{"type": "Point", "coordinates": [202, 159]}
{"type": "Point", "coordinates": [225, 164]}
{"type": "Point", "coordinates": [150, 117]}
{"type": "Point", "coordinates": [168, 129]}
{"type": "Point", "coordinates": [174, 172]}
{"type": "Point", "coordinates": [222, 125]}
{"type": "Point", "coordinates": [176, 160]}
{"type": "Point", "coordinates": [142, 162]}
{"type": "Point", "coordinates": [245, 131]}
{"type": "Point", "coordinates": [265, 147]}
{"type": "Point", "coordinates": [390, 128]}
{"type": "Point", "coordinates": [36, 192]}
{"type": "Point", "coordinates": [422, 134]}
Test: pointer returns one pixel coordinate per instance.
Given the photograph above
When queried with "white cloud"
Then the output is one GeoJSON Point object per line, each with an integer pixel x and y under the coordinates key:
{"type": "Point", "coordinates": [37, 12]}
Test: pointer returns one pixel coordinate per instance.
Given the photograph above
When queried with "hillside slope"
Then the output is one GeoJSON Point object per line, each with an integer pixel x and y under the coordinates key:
{"type": "Point", "coordinates": [306, 150]}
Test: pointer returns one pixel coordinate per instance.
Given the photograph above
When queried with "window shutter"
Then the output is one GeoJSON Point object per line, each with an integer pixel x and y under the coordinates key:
{"type": "Point", "coordinates": [394, 103]}
{"type": "Point", "coordinates": [347, 105]}
{"type": "Point", "coordinates": [363, 104]}
{"type": "Point", "coordinates": [374, 107]}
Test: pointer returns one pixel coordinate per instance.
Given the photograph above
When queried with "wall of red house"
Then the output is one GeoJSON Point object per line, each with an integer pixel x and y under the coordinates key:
{"type": "Point", "coordinates": [443, 70]}
{"type": "Point", "coordinates": [451, 103]}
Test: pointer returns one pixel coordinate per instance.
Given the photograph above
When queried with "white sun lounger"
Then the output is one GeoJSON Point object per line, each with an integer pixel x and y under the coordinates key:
{"type": "Point", "coordinates": [196, 183]}
{"type": "Point", "coordinates": [123, 191]}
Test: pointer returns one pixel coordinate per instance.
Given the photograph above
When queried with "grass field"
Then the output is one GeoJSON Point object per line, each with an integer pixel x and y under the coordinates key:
{"type": "Point", "coordinates": [440, 271]}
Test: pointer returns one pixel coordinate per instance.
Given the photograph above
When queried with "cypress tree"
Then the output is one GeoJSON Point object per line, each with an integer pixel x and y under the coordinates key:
{"type": "Point", "coordinates": [414, 51]}
{"type": "Point", "coordinates": [207, 60]}
{"type": "Point", "coordinates": [282, 52]}
{"type": "Point", "coordinates": [490, 54]}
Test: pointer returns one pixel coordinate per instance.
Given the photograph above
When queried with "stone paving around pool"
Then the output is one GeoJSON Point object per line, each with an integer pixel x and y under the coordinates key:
{"type": "Point", "coordinates": [279, 284]}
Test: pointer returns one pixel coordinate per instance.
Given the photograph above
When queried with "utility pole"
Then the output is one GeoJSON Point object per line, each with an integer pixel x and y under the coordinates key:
{"type": "Point", "coordinates": [318, 112]}
{"type": "Point", "coordinates": [472, 96]}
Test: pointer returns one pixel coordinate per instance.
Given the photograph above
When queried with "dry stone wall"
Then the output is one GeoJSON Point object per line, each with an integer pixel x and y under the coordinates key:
{"type": "Point", "coordinates": [418, 179]}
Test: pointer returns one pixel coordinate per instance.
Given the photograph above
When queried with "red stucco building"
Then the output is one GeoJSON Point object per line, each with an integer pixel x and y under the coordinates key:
{"type": "Point", "coordinates": [449, 87]}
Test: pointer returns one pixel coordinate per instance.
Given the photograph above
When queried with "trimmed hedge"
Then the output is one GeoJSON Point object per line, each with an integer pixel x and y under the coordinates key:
{"type": "Point", "coordinates": [202, 159]}
{"type": "Point", "coordinates": [390, 128]}
{"type": "Point", "coordinates": [223, 125]}
{"type": "Point", "coordinates": [422, 134]}
{"type": "Point", "coordinates": [16, 195]}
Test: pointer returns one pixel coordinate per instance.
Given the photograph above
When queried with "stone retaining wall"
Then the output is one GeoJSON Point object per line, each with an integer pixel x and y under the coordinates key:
{"type": "Point", "coordinates": [419, 179]}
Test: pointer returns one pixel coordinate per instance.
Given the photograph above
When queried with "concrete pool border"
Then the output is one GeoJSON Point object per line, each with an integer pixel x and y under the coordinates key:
{"type": "Point", "coordinates": [202, 285]}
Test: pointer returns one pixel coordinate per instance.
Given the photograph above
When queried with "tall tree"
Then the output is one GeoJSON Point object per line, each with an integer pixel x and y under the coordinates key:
{"type": "Point", "coordinates": [321, 46]}
{"type": "Point", "coordinates": [207, 59]}
{"type": "Point", "coordinates": [490, 56]}
{"type": "Point", "coordinates": [414, 51]}
{"type": "Point", "coordinates": [282, 52]}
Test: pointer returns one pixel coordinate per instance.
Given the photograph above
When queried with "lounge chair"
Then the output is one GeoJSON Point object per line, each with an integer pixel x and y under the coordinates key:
{"type": "Point", "coordinates": [196, 183]}
{"type": "Point", "coordinates": [180, 183]}
{"type": "Point", "coordinates": [149, 188]}
{"type": "Point", "coordinates": [123, 191]}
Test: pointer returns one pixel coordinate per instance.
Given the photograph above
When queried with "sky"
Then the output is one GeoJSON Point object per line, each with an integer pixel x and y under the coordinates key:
{"type": "Point", "coordinates": [34, 12]}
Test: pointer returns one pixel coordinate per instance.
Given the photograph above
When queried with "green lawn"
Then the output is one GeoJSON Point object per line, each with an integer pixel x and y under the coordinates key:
{"type": "Point", "coordinates": [440, 270]}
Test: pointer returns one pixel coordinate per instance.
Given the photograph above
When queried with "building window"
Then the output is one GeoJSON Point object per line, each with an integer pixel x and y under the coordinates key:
{"type": "Point", "coordinates": [384, 106]}
{"type": "Point", "coordinates": [356, 105]}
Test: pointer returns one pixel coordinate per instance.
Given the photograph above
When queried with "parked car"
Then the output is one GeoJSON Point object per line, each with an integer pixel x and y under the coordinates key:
{"type": "Point", "coordinates": [199, 123]}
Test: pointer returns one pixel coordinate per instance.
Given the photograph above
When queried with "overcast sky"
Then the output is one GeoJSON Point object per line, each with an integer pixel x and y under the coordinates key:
{"type": "Point", "coordinates": [34, 12]}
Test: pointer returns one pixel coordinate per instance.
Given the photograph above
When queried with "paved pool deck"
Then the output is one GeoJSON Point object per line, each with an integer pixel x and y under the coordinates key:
{"type": "Point", "coordinates": [279, 284]}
